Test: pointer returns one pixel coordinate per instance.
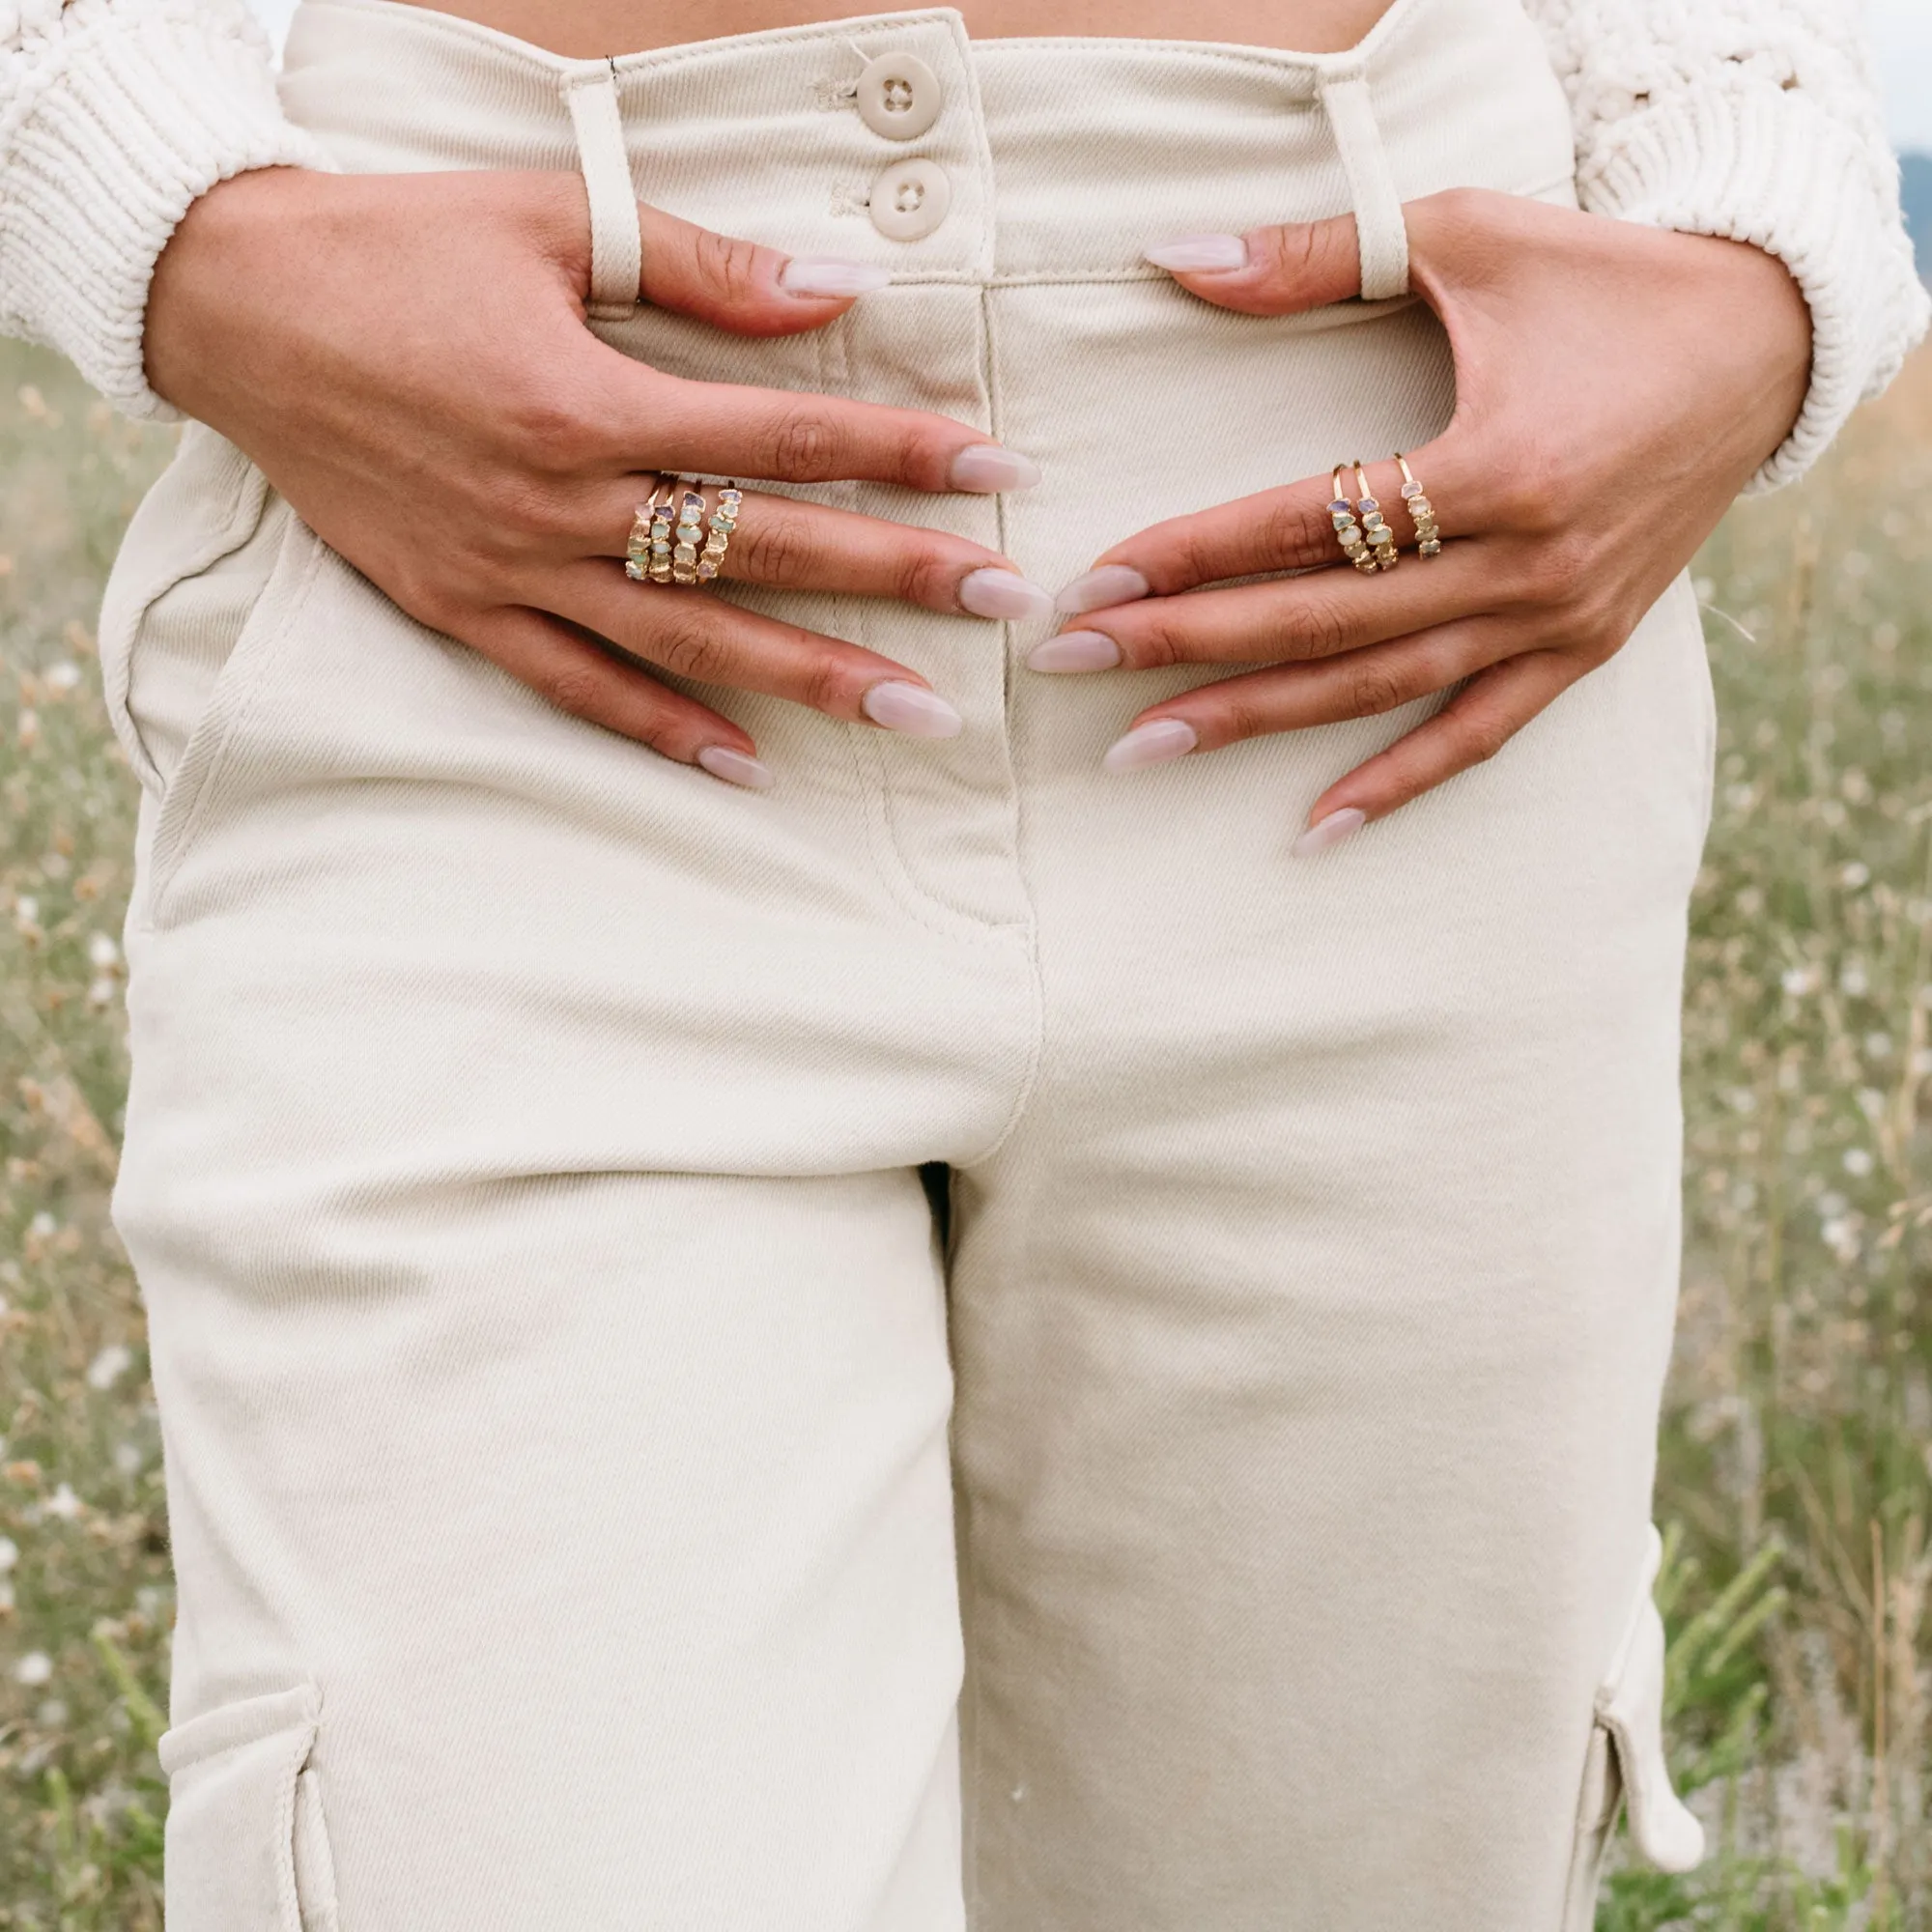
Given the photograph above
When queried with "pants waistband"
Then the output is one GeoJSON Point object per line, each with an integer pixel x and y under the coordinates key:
{"type": "Point", "coordinates": [897, 138]}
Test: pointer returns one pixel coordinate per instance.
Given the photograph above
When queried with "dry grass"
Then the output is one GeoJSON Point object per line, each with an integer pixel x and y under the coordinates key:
{"type": "Point", "coordinates": [1796, 1472]}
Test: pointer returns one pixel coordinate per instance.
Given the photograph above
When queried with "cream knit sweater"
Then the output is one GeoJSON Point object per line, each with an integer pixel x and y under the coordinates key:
{"type": "Point", "coordinates": [1750, 119]}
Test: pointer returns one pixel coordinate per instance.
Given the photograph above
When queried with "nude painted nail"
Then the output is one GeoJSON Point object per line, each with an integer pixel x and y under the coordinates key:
{"type": "Point", "coordinates": [1329, 831]}
{"type": "Point", "coordinates": [992, 593]}
{"type": "Point", "coordinates": [832, 275]}
{"type": "Point", "coordinates": [736, 768]}
{"type": "Point", "coordinates": [1150, 743]}
{"type": "Point", "coordinates": [1196, 254]}
{"type": "Point", "coordinates": [1111, 583]}
{"type": "Point", "coordinates": [985, 467]}
{"type": "Point", "coordinates": [1075, 650]}
{"type": "Point", "coordinates": [911, 709]}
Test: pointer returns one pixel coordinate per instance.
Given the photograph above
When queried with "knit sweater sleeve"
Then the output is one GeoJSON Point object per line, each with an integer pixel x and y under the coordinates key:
{"type": "Point", "coordinates": [1757, 121]}
{"type": "Point", "coordinates": [114, 116]}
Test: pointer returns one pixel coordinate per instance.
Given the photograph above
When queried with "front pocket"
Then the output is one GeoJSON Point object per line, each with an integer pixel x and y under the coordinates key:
{"type": "Point", "coordinates": [1625, 1767]}
{"type": "Point", "coordinates": [247, 1846]}
{"type": "Point", "coordinates": [212, 568]}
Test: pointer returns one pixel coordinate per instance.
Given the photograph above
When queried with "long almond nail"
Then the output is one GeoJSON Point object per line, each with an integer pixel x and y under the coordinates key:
{"type": "Point", "coordinates": [1150, 743]}
{"type": "Point", "coordinates": [1075, 650]}
{"type": "Point", "coordinates": [992, 593]}
{"type": "Point", "coordinates": [832, 275]}
{"type": "Point", "coordinates": [736, 768]}
{"type": "Point", "coordinates": [1329, 831]}
{"type": "Point", "coordinates": [1111, 583]}
{"type": "Point", "coordinates": [1199, 254]}
{"type": "Point", "coordinates": [911, 709]}
{"type": "Point", "coordinates": [984, 467]}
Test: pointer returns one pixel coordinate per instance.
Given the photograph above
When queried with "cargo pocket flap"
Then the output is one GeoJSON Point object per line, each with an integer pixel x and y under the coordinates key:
{"type": "Point", "coordinates": [1630, 1707]}
{"type": "Point", "coordinates": [233, 1776]}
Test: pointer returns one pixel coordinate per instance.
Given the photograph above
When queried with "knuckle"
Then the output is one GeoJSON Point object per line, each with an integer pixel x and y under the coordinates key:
{"type": "Point", "coordinates": [551, 428]}
{"type": "Point", "coordinates": [1242, 718]}
{"type": "Point", "coordinates": [1291, 537]}
{"type": "Point", "coordinates": [924, 575]}
{"type": "Point", "coordinates": [1482, 734]}
{"type": "Point", "coordinates": [686, 649]}
{"type": "Point", "coordinates": [1372, 689]}
{"type": "Point", "coordinates": [1324, 628]}
{"type": "Point", "coordinates": [729, 264]}
{"type": "Point", "coordinates": [805, 446]}
{"type": "Point", "coordinates": [826, 682]}
{"type": "Point", "coordinates": [785, 553]}
{"type": "Point", "coordinates": [1155, 646]}
{"type": "Point", "coordinates": [573, 688]}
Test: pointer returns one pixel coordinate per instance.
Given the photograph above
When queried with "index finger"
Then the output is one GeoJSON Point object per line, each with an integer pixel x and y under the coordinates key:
{"type": "Point", "coordinates": [729, 429]}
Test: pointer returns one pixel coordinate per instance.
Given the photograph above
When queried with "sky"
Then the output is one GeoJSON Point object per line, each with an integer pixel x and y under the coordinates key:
{"type": "Point", "coordinates": [1901, 33]}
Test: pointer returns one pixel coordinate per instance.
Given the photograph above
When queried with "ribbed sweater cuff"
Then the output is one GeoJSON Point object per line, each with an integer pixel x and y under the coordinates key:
{"type": "Point", "coordinates": [1765, 166]}
{"type": "Point", "coordinates": [110, 137]}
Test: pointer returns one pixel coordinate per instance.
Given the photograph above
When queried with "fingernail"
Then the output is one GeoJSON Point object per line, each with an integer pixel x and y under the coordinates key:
{"type": "Point", "coordinates": [735, 767]}
{"type": "Point", "coordinates": [1329, 831]}
{"type": "Point", "coordinates": [1075, 650]}
{"type": "Point", "coordinates": [992, 593]}
{"type": "Point", "coordinates": [985, 467]}
{"type": "Point", "coordinates": [1150, 743]}
{"type": "Point", "coordinates": [1191, 254]}
{"type": "Point", "coordinates": [911, 709]}
{"type": "Point", "coordinates": [831, 276]}
{"type": "Point", "coordinates": [1111, 583]}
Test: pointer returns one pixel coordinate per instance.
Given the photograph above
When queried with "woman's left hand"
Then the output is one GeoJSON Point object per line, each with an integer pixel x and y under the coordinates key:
{"type": "Point", "coordinates": [1615, 388]}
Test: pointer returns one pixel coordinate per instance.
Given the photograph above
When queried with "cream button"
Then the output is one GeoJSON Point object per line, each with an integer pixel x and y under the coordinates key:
{"type": "Point", "coordinates": [910, 199]}
{"type": "Point", "coordinates": [898, 97]}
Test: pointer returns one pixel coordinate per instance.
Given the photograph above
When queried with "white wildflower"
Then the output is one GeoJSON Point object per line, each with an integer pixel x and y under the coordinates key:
{"type": "Point", "coordinates": [10, 1554]}
{"type": "Point", "coordinates": [63, 1503]}
{"type": "Point", "coordinates": [36, 1667]}
{"type": "Point", "coordinates": [109, 1366]}
{"type": "Point", "coordinates": [102, 951]}
{"type": "Point", "coordinates": [1858, 1163]}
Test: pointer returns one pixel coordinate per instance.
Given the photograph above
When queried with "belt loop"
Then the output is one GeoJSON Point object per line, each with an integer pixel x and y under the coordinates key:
{"type": "Point", "coordinates": [1380, 228]}
{"type": "Point", "coordinates": [616, 244]}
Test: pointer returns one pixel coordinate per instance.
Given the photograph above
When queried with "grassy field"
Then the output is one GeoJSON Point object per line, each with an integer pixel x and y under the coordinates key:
{"type": "Point", "coordinates": [1797, 1483]}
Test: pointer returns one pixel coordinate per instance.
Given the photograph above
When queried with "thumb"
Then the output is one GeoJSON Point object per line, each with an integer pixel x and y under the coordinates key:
{"type": "Point", "coordinates": [741, 286]}
{"type": "Point", "coordinates": [1277, 270]}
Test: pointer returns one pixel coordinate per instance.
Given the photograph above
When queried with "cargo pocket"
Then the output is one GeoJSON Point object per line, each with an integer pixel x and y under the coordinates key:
{"type": "Point", "coordinates": [1625, 1767]}
{"type": "Point", "coordinates": [247, 1845]}
{"type": "Point", "coordinates": [209, 576]}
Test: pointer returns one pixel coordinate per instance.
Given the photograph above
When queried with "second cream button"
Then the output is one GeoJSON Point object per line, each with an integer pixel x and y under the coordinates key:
{"type": "Point", "coordinates": [910, 199]}
{"type": "Point", "coordinates": [898, 97]}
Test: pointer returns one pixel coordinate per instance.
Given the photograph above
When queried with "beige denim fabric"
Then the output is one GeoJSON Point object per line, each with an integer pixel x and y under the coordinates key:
{"type": "Point", "coordinates": [572, 1428]}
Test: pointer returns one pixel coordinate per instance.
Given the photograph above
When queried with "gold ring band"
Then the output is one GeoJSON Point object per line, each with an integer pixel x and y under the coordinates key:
{"type": "Point", "coordinates": [1422, 512]}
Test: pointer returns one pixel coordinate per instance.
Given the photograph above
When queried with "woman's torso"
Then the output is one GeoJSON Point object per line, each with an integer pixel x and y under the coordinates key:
{"type": "Point", "coordinates": [587, 28]}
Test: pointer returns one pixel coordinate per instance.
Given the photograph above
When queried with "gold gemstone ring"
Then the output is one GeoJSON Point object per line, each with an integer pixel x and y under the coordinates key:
{"type": "Point", "coordinates": [1422, 512]}
{"type": "Point", "coordinates": [1374, 527]}
{"type": "Point", "coordinates": [1347, 531]}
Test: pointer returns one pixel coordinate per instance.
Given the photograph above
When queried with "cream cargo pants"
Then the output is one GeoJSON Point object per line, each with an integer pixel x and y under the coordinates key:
{"type": "Point", "coordinates": [597, 1501]}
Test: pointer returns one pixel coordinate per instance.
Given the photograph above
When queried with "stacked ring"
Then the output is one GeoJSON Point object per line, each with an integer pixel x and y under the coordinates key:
{"type": "Point", "coordinates": [1428, 534]}
{"type": "Point", "coordinates": [1374, 527]}
{"type": "Point", "coordinates": [1348, 532]}
{"type": "Point", "coordinates": [723, 521]}
{"type": "Point", "coordinates": [660, 538]}
{"type": "Point", "coordinates": [638, 550]}
{"type": "Point", "coordinates": [689, 535]}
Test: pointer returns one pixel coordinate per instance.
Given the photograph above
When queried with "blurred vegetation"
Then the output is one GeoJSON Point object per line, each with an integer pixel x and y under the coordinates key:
{"type": "Point", "coordinates": [1797, 1473]}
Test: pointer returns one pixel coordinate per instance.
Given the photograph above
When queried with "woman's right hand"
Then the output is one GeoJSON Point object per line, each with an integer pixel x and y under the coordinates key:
{"type": "Point", "coordinates": [406, 357]}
